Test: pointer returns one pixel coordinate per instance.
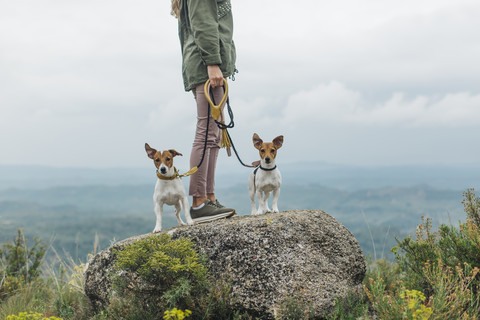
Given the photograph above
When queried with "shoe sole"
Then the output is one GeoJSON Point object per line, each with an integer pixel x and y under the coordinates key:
{"type": "Point", "coordinates": [215, 217]}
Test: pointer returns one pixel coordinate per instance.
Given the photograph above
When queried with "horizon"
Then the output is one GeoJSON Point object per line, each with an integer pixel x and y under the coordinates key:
{"type": "Point", "coordinates": [334, 176]}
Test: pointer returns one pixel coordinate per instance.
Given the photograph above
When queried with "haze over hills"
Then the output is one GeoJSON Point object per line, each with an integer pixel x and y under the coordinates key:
{"type": "Point", "coordinates": [71, 207]}
{"type": "Point", "coordinates": [329, 175]}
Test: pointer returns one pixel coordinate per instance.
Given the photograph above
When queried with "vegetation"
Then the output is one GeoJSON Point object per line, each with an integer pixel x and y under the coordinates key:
{"type": "Point", "coordinates": [171, 273]}
{"type": "Point", "coordinates": [435, 275]}
{"type": "Point", "coordinates": [30, 316]}
{"type": "Point", "coordinates": [20, 265]}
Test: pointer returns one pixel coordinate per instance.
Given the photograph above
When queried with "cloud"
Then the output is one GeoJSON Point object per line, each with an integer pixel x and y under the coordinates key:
{"type": "Point", "coordinates": [107, 74]}
{"type": "Point", "coordinates": [334, 103]}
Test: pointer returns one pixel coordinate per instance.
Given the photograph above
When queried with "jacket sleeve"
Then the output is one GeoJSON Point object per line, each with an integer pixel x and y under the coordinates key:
{"type": "Point", "coordinates": [203, 18]}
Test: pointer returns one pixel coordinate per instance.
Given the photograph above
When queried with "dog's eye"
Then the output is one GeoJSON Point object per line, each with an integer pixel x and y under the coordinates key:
{"type": "Point", "coordinates": [168, 159]}
{"type": "Point", "coordinates": [262, 151]}
{"type": "Point", "coordinates": [272, 151]}
{"type": "Point", "coordinates": [157, 160]}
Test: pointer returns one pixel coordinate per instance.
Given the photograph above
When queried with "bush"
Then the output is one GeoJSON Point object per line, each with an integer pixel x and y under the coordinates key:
{"type": "Point", "coordinates": [48, 290]}
{"type": "Point", "coordinates": [449, 246]}
{"type": "Point", "coordinates": [19, 264]}
{"type": "Point", "coordinates": [436, 275]}
{"type": "Point", "coordinates": [354, 306]}
{"type": "Point", "coordinates": [170, 270]}
{"type": "Point", "coordinates": [171, 275]}
{"type": "Point", "coordinates": [471, 206]}
{"type": "Point", "coordinates": [158, 274]}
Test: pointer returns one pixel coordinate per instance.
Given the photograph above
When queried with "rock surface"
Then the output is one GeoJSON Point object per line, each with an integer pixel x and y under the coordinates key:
{"type": "Point", "coordinates": [304, 253]}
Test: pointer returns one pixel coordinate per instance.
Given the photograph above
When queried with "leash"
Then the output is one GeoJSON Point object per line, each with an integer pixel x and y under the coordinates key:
{"type": "Point", "coordinates": [227, 141]}
{"type": "Point", "coordinates": [215, 111]}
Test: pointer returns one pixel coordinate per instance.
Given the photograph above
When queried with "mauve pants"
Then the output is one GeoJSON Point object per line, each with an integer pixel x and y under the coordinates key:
{"type": "Point", "coordinates": [202, 182]}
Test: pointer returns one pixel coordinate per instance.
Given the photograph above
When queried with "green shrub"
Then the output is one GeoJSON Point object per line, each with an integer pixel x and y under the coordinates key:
{"type": "Point", "coordinates": [354, 306]}
{"type": "Point", "coordinates": [167, 274]}
{"type": "Point", "coordinates": [471, 206]}
{"type": "Point", "coordinates": [34, 296]}
{"type": "Point", "coordinates": [57, 291]}
{"type": "Point", "coordinates": [66, 282]}
{"type": "Point", "coordinates": [172, 274]}
{"type": "Point", "coordinates": [437, 274]}
{"type": "Point", "coordinates": [454, 291]}
{"type": "Point", "coordinates": [19, 264]}
{"type": "Point", "coordinates": [449, 245]}
{"type": "Point", "coordinates": [396, 301]}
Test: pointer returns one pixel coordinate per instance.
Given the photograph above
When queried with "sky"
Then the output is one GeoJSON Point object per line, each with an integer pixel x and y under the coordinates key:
{"type": "Point", "coordinates": [358, 82]}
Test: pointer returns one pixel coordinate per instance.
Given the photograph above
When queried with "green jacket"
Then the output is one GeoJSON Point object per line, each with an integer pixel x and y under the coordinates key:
{"type": "Point", "coordinates": [205, 28]}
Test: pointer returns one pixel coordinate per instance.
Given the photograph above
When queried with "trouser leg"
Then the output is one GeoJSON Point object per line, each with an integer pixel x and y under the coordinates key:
{"type": "Point", "coordinates": [203, 181]}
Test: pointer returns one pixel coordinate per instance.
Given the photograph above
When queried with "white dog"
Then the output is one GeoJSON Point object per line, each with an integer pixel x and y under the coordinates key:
{"type": "Point", "coordinates": [169, 188]}
{"type": "Point", "coordinates": [266, 177]}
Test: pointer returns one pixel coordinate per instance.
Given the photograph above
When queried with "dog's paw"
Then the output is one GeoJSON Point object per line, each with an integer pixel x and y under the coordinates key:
{"type": "Point", "coordinates": [157, 230]}
{"type": "Point", "coordinates": [191, 223]}
{"type": "Point", "coordinates": [276, 210]}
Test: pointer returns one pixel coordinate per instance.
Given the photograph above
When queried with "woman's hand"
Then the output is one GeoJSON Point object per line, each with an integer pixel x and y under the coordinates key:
{"type": "Point", "coordinates": [215, 76]}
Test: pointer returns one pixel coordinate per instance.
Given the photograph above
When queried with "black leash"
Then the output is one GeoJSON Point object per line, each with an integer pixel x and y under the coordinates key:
{"type": "Point", "coordinates": [220, 125]}
{"type": "Point", "coordinates": [206, 136]}
{"type": "Point", "coordinates": [223, 126]}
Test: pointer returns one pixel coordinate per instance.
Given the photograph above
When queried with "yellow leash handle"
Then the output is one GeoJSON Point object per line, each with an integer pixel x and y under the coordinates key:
{"type": "Point", "coordinates": [215, 110]}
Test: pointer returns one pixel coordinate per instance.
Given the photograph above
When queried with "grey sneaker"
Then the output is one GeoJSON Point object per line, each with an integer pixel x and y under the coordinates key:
{"type": "Point", "coordinates": [219, 205]}
{"type": "Point", "coordinates": [209, 212]}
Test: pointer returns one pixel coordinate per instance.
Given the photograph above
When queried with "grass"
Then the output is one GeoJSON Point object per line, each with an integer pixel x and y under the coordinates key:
{"type": "Point", "coordinates": [436, 275]}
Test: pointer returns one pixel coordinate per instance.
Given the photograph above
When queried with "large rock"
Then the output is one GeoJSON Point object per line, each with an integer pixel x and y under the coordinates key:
{"type": "Point", "coordinates": [268, 258]}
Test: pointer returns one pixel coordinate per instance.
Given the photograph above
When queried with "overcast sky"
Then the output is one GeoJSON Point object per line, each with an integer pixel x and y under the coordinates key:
{"type": "Point", "coordinates": [367, 82]}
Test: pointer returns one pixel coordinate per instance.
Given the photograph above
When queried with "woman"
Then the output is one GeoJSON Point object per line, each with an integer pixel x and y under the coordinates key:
{"type": "Point", "coordinates": [205, 29]}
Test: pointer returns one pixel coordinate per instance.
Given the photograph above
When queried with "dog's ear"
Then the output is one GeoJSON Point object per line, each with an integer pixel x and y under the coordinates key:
{"type": "Point", "coordinates": [175, 153]}
{"type": "Point", "coordinates": [257, 142]}
{"type": "Point", "coordinates": [150, 151]}
{"type": "Point", "coordinates": [278, 142]}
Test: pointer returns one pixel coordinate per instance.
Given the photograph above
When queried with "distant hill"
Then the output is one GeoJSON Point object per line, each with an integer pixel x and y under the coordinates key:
{"type": "Point", "coordinates": [73, 217]}
{"type": "Point", "coordinates": [73, 208]}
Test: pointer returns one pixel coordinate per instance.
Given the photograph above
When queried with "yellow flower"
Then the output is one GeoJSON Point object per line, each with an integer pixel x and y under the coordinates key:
{"type": "Point", "coordinates": [414, 300]}
{"type": "Point", "coordinates": [176, 314]}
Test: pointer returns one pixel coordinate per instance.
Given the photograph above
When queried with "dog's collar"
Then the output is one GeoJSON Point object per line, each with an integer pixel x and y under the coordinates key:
{"type": "Point", "coordinates": [174, 176]}
{"type": "Point", "coordinates": [267, 169]}
{"type": "Point", "coordinates": [264, 169]}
